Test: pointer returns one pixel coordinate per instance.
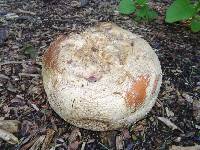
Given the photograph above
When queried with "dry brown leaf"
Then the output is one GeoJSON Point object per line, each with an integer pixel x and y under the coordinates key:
{"type": "Point", "coordinates": [2, 76]}
{"type": "Point", "coordinates": [196, 110]}
{"type": "Point", "coordinates": [169, 112]}
{"type": "Point", "coordinates": [10, 125]}
{"type": "Point", "coordinates": [187, 97]}
{"type": "Point", "coordinates": [74, 145]}
{"type": "Point", "coordinates": [126, 134]}
{"type": "Point", "coordinates": [48, 138]}
{"type": "Point", "coordinates": [37, 144]}
{"type": "Point", "coordinates": [119, 142]}
{"type": "Point", "coordinates": [108, 138]}
{"type": "Point", "coordinates": [74, 134]}
{"type": "Point", "coordinates": [196, 147]}
{"type": "Point", "coordinates": [28, 145]}
{"type": "Point", "coordinates": [8, 137]}
{"type": "Point", "coordinates": [55, 147]}
{"type": "Point", "coordinates": [169, 123]}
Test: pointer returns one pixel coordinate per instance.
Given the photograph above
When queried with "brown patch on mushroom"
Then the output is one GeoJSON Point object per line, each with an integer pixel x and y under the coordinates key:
{"type": "Point", "coordinates": [51, 55]}
{"type": "Point", "coordinates": [136, 95]}
{"type": "Point", "coordinates": [155, 84]}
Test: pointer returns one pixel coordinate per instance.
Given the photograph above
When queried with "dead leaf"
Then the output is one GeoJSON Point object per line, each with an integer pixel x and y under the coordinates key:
{"type": "Point", "coordinates": [10, 125]}
{"type": "Point", "coordinates": [34, 90]}
{"type": "Point", "coordinates": [169, 112]}
{"type": "Point", "coordinates": [29, 144]}
{"type": "Point", "coordinates": [55, 147]}
{"type": "Point", "coordinates": [48, 139]}
{"type": "Point", "coordinates": [126, 134]}
{"type": "Point", "coordinates": [119, 142]}
{"type": "Point", "coordinates": [8, 137]}
{"type": "Point", "coordinates": [169, 123]}
{"type": "Point", "coordinates": [3, 35]}
{"type": "Point", "coordinates": [90, 141]}
{"type": "Point", "coordinates": [187, 97]}
{"type": "Point", "coordinates": [74, 135]}
{"type": "Point", "coordinates": [196, 110]}
{"type": "Point", "coordinates": [11, 88]}
{"type": "Point", "coordinates": [2, 76]}
{"type": "Point", "coordinates": [196, 147]}
{"type": "Point", "coordinates": [37, 144]}
{"type": "Point", "coordinates": [74, 145]}
{"type": "Point", "coordinates": [108, 138]}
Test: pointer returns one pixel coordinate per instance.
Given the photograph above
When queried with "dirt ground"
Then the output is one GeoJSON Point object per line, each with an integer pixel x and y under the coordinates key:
{"type": "Point", "coordinates": [27, 27]}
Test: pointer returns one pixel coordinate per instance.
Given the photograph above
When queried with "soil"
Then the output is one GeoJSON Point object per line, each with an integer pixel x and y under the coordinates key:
{"type": "Point", "coordinates": [26, 34]}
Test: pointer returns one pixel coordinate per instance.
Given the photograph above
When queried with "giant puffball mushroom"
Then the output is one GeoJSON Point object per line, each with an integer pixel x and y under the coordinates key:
{"type": "Point", "coordinates": [104, 78]}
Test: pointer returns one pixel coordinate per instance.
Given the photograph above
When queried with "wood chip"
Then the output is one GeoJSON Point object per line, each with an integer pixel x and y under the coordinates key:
{"type": "Point", "coordinates": [74, 145]}
{"type": "Point", "coordinates": [119, 142]}
{"type": "Point", "coordinates": [8, 137]}
{"type": "Point", "coordinates": [2, 76]}
{"type": "Point", "coordinates": [74, 134]}
{"type": "Point", "coordinates": [48, 139]}
{"type": "Point", "coordinates": [169, 123]}
{"type": "Point", "coordinates": [196, 110]}
{"type": "Point", "coordinates": [29, 75]}
{"type": "Point", "coordinates": [196, 147]}
{"type": "Point", "coordinates": [37, 144]}
{"type": "Point", "coordinates": [28, 145]}
{"type": "Point", "coordinates": [169, 112]}
{"type": "Point", "coordinates": [105, 147]}
{"type": "Point", "coordinates": [83, 146]}
{"type": "Point", "coordinates": [10, 125]}
{"type": "Point", "coordinates": [14, 62]}
{"type": "Point", "coordinates": [26, 12]}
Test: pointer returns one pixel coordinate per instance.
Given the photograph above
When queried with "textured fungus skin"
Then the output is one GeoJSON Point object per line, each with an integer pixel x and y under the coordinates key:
{"type": "Point", "coordinates": [104, 78]}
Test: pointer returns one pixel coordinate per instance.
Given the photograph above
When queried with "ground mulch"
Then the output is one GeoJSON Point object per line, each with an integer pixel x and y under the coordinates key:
{"type": "Point", "coordinates": [27, 27]}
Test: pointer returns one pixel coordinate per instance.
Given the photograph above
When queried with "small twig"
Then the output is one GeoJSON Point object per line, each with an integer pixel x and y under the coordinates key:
{"type": "Point", "coordinates": [83, 146]}
{"type": "Point", "coordinates": [14, 62]}
{"type": "Point", "coordinates": [29, 75]}
{"type": "Point", "coordinates": [103, 146]}
{"type": "Point", "coordinates": [4, 5]}
{"type": "Point", "coordinates": [60, 28]}
{"type": "Point", "coordinates": [26, 12]}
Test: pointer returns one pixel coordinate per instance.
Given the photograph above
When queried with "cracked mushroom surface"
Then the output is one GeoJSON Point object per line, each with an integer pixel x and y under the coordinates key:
{"type": "Point", "coordinates": [102, 79]}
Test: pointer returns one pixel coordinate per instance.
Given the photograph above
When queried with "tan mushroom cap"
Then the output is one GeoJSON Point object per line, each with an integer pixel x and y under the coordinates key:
{"type": "Point", "coordinates": [104, 78]}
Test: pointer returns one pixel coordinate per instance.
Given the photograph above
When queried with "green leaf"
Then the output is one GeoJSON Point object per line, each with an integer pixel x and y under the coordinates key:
{"type": "Point", "coordinates": [195, 24]}
{"type": "Point", "coordinates": [145, 13]}
{"type": "Point", "coordinates": [141, 2]}
{"type": "Point", "coordinates": [126, 7]}
{"type": "Point", "coordinates": [141, 13]}
{"type": "Point", "coordinates": [179, 10]}
{"type": "Point", "coordinates": [30, 50]}
{"type": "Point", "coordinates": [152, 14]}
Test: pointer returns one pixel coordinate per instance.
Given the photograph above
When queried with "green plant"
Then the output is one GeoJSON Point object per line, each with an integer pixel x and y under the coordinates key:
{"type": "Point", "coordinates": [30, 50]}
{"type": "Point", "coordinates": [185, 10]}
{"type": "Point", "coordinates": [138, 7]}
